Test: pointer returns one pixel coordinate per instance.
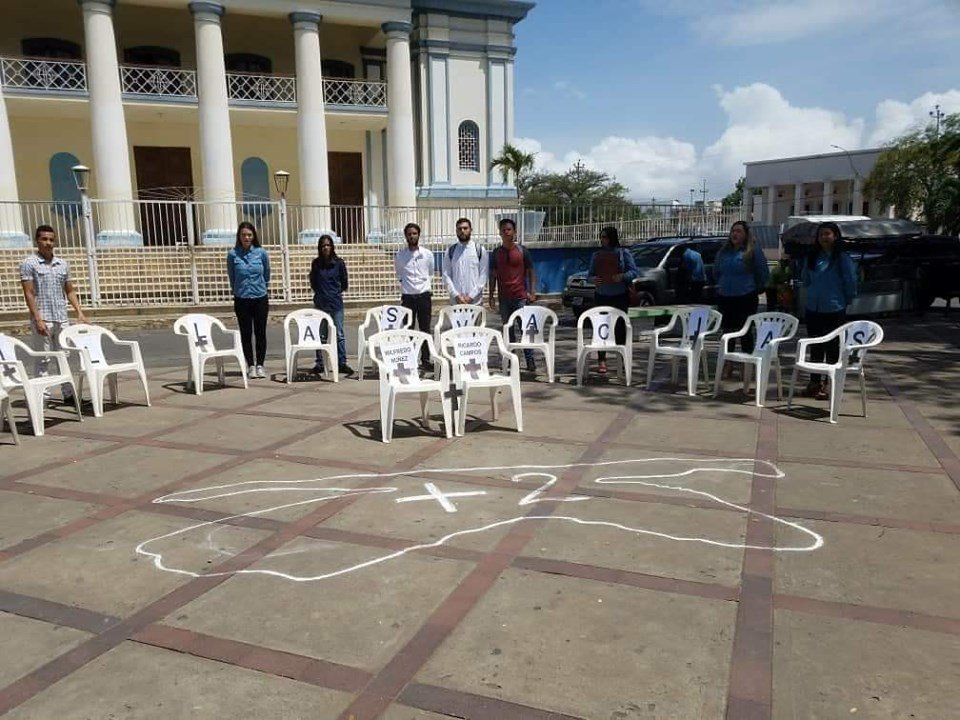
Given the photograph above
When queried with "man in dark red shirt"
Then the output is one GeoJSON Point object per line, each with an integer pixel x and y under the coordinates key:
{"type": "Point", "coordinates": [512, 273]}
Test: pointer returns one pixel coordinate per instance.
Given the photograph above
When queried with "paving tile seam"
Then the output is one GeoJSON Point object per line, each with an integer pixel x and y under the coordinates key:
{"type": "Point", "coordinates": [867, 613]}
{"type": "Point", "coordinates": [402, 668]}
{"type": "Point", "coordinates": [460, 704]}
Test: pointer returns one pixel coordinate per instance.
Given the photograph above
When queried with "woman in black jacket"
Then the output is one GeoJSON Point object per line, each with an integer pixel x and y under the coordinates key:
{"type": "Point", "coordinates": [329, 281]}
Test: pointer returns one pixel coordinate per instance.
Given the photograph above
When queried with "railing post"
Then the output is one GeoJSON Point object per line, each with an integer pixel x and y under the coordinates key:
{"type": "Point", "coordinates": [90, 242]}
{"type": "Point", "coordinates": [285, 251]}
{"type": "Point", "coordinates": [192, 249]}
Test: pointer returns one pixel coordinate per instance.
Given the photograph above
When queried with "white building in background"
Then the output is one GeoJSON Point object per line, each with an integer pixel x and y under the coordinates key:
{"type": "Point", "coordinates": [828, 184]}
{"type": "Point", "coordinates": [367, 103]}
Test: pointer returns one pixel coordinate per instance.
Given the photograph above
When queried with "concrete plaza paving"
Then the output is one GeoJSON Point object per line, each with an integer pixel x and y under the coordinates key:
{"type": "Point", "coordinates": [243, 555]}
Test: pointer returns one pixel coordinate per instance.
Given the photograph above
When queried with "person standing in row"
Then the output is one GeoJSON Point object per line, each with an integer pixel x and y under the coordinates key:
{"type": "Point", "coordinates": [465, 267]}
{"type": "Point", "coordinates": [329, 281]}
{"type": "Point", "coordinates": [612, 269]}
{"type": "Point", "coordinates": [47, 288]}
{"type": "Point", "coordinates": [414, 267]}
{"type": "Point", "coordinates": [830, 279]}
{"type": "Point", "coordinates": [248, 268]}
{"type": "Point", "coordinates": [513, 280]}
{"type": "Point", "coordinates": [693, 276]}
{"type": "Point", "coordinates": [741, 273]}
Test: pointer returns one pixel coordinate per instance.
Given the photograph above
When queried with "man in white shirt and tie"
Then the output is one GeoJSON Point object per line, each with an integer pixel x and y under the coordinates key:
{"type": "Point", "coordinates": [414, 268]}
{"type": "Point", "coordinates": [466, 268]}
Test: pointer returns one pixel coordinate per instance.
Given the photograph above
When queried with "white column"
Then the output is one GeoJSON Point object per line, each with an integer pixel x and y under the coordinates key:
{"type": "Point", "coordinates": [216, 142]}
{"type": "Point", "coordinates": [827, 197]}
{"type": "Point", "coordinates": [746, 202]}
{"type": "Point", "coordinates": [401, 169]}
{"type": "Point", "coordinates": [111, 154]}
{"type": "Point", "coordinates": [798, 199]}
{"type": "Point", "coordinates": [771, 204]}
{"type": "Point", "coordinates": [857, 196]}
{"type": "Point", "coordinates": [11, 221]}
{"type": "Point", "coordinates": [311, 129]}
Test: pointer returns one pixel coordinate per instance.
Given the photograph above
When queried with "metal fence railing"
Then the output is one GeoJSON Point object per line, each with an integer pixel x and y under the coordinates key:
{"type": "Point", "coordinates": [173, 253]}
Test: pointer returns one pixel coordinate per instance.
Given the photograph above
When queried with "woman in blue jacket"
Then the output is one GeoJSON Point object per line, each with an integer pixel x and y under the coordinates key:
{"type": "Point", "coordinates": [741, 273]}
{"type": "Point", "coordinates": [329, 281]}
{"type": "Point", "coordinates": [830, 279]}
{"type": "Point", "coordinates": [248, 267]}
{"type": "Point", "coordinates": [619, 269]}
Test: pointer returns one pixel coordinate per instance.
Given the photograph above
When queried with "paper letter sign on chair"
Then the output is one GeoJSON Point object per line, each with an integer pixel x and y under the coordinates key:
{"type": "Point", "coordinates": [378, 319]}
{"type": "Point", "coordinates": [468, 351]}
{"type": "Point", "coordinates": [696, 323]}
{"type": "Point", "coordinates": [458, 316]}
{"type": "Point", "coordinates": [197, 328]}
{"type": "Point", "coordinates": [535, 328]}
{"type": "Point", "coordinates": [855, 339]}
{"type": "Point", "coordinates": [87, 340]}
{"type": "Point", "coordinates": [13, 376]}
{"type": "Point", "coordinates": [396, 354]}
{"type": "Point", "coordinates": [772, 330]}
{"type": "Point", "coordinates": [6, 412]}
{"type": "Point", "coordinates": [309, 322]}
{"type": "Point", "coordinates": [604, 321]}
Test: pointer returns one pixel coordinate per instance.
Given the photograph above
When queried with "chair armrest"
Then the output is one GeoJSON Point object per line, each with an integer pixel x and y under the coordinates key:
{"type": "Point", "coordinates": [17, 366]}
{"type": "Point", "coordinates": [134, 349]}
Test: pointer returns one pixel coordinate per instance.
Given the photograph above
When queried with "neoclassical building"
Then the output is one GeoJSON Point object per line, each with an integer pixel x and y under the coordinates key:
{"type": "Point", "coordinates": [366, 103]}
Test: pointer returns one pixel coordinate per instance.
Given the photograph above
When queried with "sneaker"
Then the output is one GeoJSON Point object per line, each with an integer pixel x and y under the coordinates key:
{"type": "Point", "coordinates": [317, 369]}
{"type": "Point", "coordinates": [531, 366]}
{"type": "Point", "coordinates": [260, 372]}
{"type": "Point", "coordinates": [252, 371]}
{"type": "Point", "coordinates": [345, 369]}
{"type": "Point", "coordinates": [602, 367]}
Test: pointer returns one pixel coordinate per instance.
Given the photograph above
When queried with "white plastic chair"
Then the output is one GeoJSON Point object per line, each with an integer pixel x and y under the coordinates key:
{"type": "Point", "coordinates": [14, 376]}
{"type": "Point", "coordinates": [308, 322]}
{"type": "Point", "coordinates": [197, 328]}
{"type": "Point", "coordinates": [771, 330]}
{"type": "Point", "coordinates": [456, 316]}
{"type": "Point", "coordinates": [396, 354]}
{"type": "Point", "coordinates": [6, 411]}
{"type": "Point", "coordinates": [696, 323]}
{"type": "Point", "coordinates": [378, 319]}
{"type": "Point", "coordinates": [604, 320]}
{"type": "Point", "coordinates": [855, 339]}
{"type": "Point", "coordinates": [87, 340]}
{"type": "Point", "coordinates": [468, 350]}
{"type": "Point", "coordinates": [537, 331]}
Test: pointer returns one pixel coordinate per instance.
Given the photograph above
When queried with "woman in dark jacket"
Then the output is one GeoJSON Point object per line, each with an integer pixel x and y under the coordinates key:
{"type": "Point", "coordinates": [328, 280]}
{"type": "Point", "coordinates": [612, 269]}
{"type": "Point", "coordinates": [830, 279]}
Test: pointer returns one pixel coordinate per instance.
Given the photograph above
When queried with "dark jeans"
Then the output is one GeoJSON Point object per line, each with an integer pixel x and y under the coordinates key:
{"type": "Point", "coordinates": [693, 292]}
{"type": "Point", "coordinates": [620, 302]}
{"type": "Point", "coordinates": [422, 307]}
{"type": "Point", "coordinates": [819, 324]}
{"type": "Point", "coordinates": [736, 309]}
{"type": "Point", "coordinates": [509, 306]}
{"type": "Point", "coordinates": [337, 315]}
{"type": "Point", "coordinates": [252, 319]}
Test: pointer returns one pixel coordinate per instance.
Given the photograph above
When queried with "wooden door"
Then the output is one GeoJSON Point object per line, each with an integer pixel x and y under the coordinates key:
{"type": "Point", "coordinates": [163, 173]}
{"type": "Point", "coordinates": [346, 195]}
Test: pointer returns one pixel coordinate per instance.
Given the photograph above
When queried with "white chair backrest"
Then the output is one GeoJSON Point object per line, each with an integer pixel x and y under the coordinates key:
{"type": "Point", "coordinates": [471, 349]}
{"type": "Point", "coordinates": [695, 321]}
{"type": "Point", "coordinates": [604, 321]}
{"type": "Point", "coordinates": [531, 324]}
{"type": "Point", "coordinates": [89, 337]}
{"type": "Point", "coordinates": [857, 337]}
{"type": "Point", "coordinates": [399, 353]}
{"type": "Point", "coordinates": [308, 322]}
{"type": "Point", "coordinates": [198, 328]}
{"type": "Point", "coordinates": [458, 316]}
{"type": "Point", "coordinates": [391, 317]}
{"type": "Point", "coordinates": [770, 327]}
{"type": "Point", "coordinates": [9, 377]}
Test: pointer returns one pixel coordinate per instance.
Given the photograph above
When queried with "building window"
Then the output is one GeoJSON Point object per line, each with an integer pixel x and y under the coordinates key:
{"type": "Point", "coordinates": [152, 56]}
{"type": "Point", "coordinates": [52, 48]}
{"type": "Point", "coordinates": [337, 69]}
{"type": "Point", "coordinates": [248, 63]}
{"type": "Point", "coordinates": [63, 188]}
{"type": "Point", "coordinates": [255, 185]}
{"type": "Point", "coordinates": [469, 145]}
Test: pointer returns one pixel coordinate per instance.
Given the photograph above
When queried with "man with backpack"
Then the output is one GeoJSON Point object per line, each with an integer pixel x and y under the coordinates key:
{"type": "Point", "coordinates": [465, 267]}
{"type": "Point", "coordinates": [512, 273]}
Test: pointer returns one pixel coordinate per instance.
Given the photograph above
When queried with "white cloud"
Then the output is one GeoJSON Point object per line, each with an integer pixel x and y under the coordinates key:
{"type": "Point", "coordinates": [894, 117]}
{"type": "Point", "coordinates": [568, 89]}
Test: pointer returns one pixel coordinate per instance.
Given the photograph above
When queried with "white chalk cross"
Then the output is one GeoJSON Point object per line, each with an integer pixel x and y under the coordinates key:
{"type": "Point", "coordinates": [441, 497]}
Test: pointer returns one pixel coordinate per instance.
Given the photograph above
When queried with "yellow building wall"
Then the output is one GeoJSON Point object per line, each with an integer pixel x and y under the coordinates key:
{"type": "Point", "coordinates": [36, 140]}
{"type": "Point", "coordinates": [61, 19]}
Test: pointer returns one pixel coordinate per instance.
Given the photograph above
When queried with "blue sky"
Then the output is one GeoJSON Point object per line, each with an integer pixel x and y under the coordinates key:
{"type": "Point", "coordinates": [662, 93]}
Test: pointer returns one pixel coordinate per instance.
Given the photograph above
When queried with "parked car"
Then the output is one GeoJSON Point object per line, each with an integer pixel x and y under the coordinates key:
{"type": "Point", "coordinates": [658, 283]}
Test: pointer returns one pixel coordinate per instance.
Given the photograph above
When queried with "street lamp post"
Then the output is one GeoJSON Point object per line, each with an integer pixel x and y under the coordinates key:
{"type": "Point", "coordinates": [857, 181]}
{"type": "Point", "coordinates": [81, 177]}
{"type": "Point", "coordinates": [281, 179]}
{"type": "Point", "coordinates": [937, 115]}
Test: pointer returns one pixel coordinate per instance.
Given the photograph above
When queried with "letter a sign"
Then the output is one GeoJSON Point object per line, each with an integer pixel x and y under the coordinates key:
{"type": "Point", "coordinates": [768, 332]}
{"type": "Point", "coordinates": [309, 330]}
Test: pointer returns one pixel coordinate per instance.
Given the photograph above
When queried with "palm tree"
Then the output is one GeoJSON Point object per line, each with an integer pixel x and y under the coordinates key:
{"type": "Point", "coordinates": [513, 160]}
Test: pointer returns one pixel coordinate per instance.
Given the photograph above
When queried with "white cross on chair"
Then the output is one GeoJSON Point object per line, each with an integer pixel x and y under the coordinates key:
{"type": "Point", "coordinates": [441, 497]}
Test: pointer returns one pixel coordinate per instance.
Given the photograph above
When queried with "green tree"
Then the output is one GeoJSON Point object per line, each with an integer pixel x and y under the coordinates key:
{"type": "Point", "coordinates": [577, 186]}
{"type": "Point", "coordinates": [514, 161]}
{"type": "Point", "coordinates": [919, 174]}
{"type": "Point", "coordinates": [735, 199]}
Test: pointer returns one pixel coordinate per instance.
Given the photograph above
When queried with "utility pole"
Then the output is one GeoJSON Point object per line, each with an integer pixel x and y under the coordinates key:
{"type": "Point", "coordinates": [937, 115]}
{"type": "Point", "coordinates": [692, 191]}
{"type": "Point", "coordinates": [703, 192]}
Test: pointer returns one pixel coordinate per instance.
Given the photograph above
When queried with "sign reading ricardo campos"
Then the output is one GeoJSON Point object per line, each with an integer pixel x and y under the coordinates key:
{"type": "Point", "coordinates": [471, 354]}
{"type": "Point", "coordinates": [401, 359]}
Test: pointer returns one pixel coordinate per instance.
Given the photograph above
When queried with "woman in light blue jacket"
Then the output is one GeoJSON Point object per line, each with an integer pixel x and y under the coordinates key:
{"type": "Point", "coordinates": [741, 273]}
{"type": "Point", "coordinates": [248, 267]}
{"type": "Point", "coordinates": [830, 279]}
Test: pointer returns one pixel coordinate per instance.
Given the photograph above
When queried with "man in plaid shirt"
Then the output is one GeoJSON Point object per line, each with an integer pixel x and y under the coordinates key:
{"type": "Point", "coordinates": [47, 288]}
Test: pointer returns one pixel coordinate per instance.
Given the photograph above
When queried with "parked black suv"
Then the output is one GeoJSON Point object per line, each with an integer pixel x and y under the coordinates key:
{"type": "Point", "coordinates": [658, 263]}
